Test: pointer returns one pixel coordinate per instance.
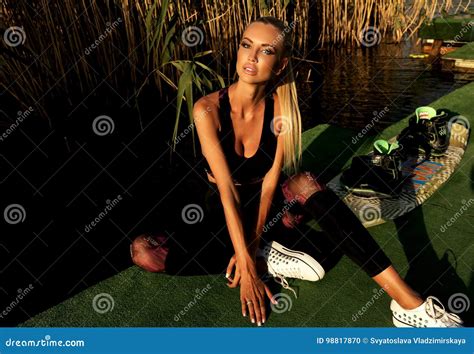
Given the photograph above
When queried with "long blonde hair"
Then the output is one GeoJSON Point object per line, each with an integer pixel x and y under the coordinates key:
{"type": "Point", "coordinates": [290, 118]}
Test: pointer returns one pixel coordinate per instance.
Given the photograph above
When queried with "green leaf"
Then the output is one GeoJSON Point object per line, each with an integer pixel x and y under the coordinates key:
{"type": "Point", "coordinates": [185, 80]}
{"type": "Point", "coordinates": [201, 54]}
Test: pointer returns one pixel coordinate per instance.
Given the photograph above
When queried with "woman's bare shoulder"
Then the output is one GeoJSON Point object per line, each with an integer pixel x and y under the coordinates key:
{"type": "Point", "coordinates": [208, 106]}
{"type": "Point", "coordinates": [211, 100]}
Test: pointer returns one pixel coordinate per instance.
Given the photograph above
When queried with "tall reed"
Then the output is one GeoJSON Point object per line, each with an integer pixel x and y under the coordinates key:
{"type": "Point", "coordinates": [72, 48]}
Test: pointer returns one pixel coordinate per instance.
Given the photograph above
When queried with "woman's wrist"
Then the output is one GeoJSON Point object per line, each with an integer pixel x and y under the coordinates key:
{"type": "Point", "coordinates": [246, 262]}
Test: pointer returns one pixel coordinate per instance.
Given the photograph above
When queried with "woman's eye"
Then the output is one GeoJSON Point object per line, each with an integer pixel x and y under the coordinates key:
{"type": "Point", "coordinates": [267, 51]}
{"type": "Point", "coordinates": [245, 45]}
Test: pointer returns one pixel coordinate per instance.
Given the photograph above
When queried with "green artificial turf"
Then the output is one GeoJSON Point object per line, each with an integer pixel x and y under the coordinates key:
{"type": "Point", "coordinates": [440, 262]}
{"type": "Point", "coordinates": [465, 52]}
{"type": "Point", "coordinates": [449, 28]}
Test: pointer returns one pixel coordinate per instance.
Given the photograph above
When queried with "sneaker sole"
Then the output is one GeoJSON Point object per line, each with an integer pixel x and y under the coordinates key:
{"type": "Point", "coordinates": [303, 257]}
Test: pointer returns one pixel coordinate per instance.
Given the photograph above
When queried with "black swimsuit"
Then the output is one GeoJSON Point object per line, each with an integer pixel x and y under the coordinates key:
{"type": "Point", "coordinates": [246, 170]}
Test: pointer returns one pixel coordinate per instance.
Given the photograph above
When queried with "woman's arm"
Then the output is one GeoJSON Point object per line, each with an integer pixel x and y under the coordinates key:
{"type": "Point", "coordinates": [207, 121]}
{"type": "Point", "coordinates": [252, 289]}
{"type": "Point", "coordinates": [269, 186]}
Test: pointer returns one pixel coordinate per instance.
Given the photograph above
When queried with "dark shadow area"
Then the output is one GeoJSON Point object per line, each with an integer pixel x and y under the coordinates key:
{"type": "Point", "coordinates": [427, 273]}
{"type": "Point", "coordinates": [80, 198]}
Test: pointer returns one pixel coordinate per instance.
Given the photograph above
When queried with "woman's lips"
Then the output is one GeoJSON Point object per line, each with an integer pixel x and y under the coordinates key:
{"type": "Point", "coordinates": [250, 70]}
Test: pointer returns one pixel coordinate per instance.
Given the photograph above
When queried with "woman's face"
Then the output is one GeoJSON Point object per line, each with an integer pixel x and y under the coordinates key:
{"type": "Point", "coordinates": [260, 53]}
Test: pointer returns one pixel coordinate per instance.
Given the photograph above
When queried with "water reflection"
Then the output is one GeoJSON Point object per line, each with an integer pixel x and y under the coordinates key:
{"type": "Point", "coordinates": [351, 86]}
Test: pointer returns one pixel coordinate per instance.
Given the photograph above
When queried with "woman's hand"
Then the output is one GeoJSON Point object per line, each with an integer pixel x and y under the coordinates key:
{"type": "Point", "coordinates": [234, 280]}
{"type": "Point", "coordinates": [252, 290]}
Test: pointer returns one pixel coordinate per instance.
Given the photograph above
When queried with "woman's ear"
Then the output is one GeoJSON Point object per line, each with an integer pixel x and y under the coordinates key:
{"type": "Point", "coordinates": [282, 66]}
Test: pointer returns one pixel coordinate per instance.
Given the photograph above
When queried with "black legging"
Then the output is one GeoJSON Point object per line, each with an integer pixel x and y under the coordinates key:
{"type": "Point", "coordinates": [206, 247]}
{"type": "Point", "coordinates": [346, 231]}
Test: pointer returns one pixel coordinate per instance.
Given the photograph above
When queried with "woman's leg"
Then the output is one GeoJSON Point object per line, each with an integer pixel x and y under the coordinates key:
{"type": "Point", "coordinates": [349, 235]}
{"type": "Point", "coordinates": [149, 251]}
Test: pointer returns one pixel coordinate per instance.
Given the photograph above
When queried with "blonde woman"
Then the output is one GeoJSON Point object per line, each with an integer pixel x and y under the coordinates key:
{"type": "Point", "coordinates": [250, 135]}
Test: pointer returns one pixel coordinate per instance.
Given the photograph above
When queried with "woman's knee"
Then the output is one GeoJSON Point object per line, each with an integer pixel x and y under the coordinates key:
{"type": "Point", "coordinates": [301, 186]}
{"type": "Point", "coordinates": [149, 252]}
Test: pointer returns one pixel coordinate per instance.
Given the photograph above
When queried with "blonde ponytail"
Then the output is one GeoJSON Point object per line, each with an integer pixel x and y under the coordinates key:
{"type": "Point", "coordinates": [291, 122]}
{"type": "Point", "coordinates": [290, 117]}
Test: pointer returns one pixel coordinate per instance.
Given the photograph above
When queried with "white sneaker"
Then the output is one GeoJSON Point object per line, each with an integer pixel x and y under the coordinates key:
{"type": "Point", "coordinates": [282, 261]}
{"type": "Point", "coordinates": [428, 314]}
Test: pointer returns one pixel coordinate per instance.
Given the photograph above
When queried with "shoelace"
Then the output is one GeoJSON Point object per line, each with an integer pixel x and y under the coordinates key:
{"type": "Point", "coordinates": [281, 279]}
{"type": "Point", "coordinates": [438, 312]}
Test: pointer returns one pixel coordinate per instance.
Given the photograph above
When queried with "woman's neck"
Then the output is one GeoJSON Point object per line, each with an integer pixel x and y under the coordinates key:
{"type": "Point", "coordinates": [247, 98]}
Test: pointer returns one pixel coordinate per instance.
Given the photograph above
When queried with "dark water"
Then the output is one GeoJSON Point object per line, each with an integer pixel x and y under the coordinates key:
{"type": "Point", "coordinates": [349, 87]}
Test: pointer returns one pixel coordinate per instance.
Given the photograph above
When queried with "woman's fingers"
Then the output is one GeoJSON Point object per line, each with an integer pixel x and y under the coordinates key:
{"type": "Point", "coordinates": [270, 295]}
{"type": "Point", "coordinates": [263, 310]}
{"type": "Point", "coordinates": [235, 281]}
{"type": "Point", "coordinates": [258, 313]}
{"type": "Point", "coordinates": [250, 306]}
{"type": "Point", "coordinates": [230, 267]}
